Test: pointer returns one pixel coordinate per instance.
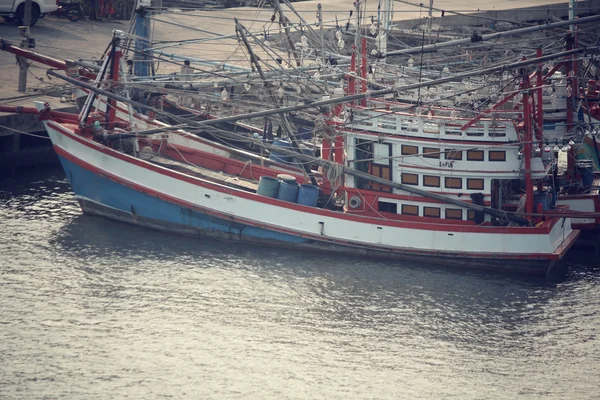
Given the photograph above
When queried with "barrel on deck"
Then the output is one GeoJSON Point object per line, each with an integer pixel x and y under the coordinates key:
{"type": "Point", "coordinates": [268, 187]}
{"type": "Point", "coordinates": [288, 191]}
{"type": "Point", "coordinates": [280, 157]}
{"type": "Point", "coordinates": [308, 195]}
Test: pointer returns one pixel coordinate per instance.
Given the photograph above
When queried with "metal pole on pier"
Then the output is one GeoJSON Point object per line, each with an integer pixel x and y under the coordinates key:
{"type": "Point", "coordinates": [430, 19]}
{"type": "Point", "coordinates": [24, 44]}
{"type": "Point", "coordinates": [572, 13]}
{"type": "Point", "coordinates": [142, 58]}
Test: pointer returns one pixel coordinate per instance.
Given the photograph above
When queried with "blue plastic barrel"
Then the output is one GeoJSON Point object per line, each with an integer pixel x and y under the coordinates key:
{"type": "Point", "coordinates": [268, 187]}
{"type": "Point", "coordinates": [279, 157]}
{"type": "Point", "coordinates": [543, 199]}
{"type": "Point", "coordinates": [308, 195]}
{"type": "Point", "coordinates": [288, 191]}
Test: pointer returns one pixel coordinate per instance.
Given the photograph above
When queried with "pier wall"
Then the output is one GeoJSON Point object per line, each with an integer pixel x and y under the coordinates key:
{"type": "Point", "coordinates": [533, 14]}
{"type": "Point", "coordinates": [19, 150]}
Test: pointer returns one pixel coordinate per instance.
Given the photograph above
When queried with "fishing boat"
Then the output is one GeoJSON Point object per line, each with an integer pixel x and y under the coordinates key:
{"type": "Point", "coordinates": [124, 187]}
{"type": "Point", "coordinates": [433, 205]}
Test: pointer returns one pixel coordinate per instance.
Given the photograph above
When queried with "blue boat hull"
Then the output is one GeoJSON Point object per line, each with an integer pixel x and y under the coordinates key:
{"type": "Point", "coordinates": [102, 196]}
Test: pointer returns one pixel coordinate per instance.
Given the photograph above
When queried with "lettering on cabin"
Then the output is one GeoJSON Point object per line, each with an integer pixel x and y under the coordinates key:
{"type": "Point", "coordinates": [449, 164]}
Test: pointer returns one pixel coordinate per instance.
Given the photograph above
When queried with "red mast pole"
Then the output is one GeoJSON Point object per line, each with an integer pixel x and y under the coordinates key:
{"type": "Point", "coordinates": [527, 145]}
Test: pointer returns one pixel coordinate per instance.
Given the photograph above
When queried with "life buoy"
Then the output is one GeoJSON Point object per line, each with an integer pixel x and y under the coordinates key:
{"type": "Point", "coordinates": [354, 202]}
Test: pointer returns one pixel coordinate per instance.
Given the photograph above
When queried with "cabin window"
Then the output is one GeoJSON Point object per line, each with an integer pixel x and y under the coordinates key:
{"type": "Point", "coordinates": [454, 213]}
{"type": "Point", "coordinates": [475, 155]}
{"type": "Point", "coordinates": [453, 183]}
{"type": "Point", "coordinates": [410, 210]}
{"type": "Point", "coordinates": [410, 179]}
{"type": "Point", "coordinates": [474, 184]}
{"type": "Point", "coordinates": [381, 153]}
{"type": "Point", "coordinates": [409, 150]}
{"type": "Point", "coordinates": [431, 152]}
{"type": "Point", "coordinates": [497, 155]}
{"type": "Point", "coordinates": [386, 206]}
{"type": "Point", "coordinates": [431, 181]}
{"type": "Point", "coordinates": [432, 212]}
{"type": "Point", "coordinates": [453, 154]}
{"type": "Point", "coordinates": [381, 172]}
{"type": "Point", "coordinates": [470, 215]}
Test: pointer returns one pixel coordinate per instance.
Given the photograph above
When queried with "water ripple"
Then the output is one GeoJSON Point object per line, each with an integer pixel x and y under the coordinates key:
{"type": "Point", "coordinates": [94, 309]}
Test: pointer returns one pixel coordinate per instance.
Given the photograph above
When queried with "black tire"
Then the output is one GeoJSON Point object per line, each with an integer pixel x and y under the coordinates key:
{"type": "Point", "coordinates": [74, 14]}
{"type": "Point", "coordinates": [35, 14]}
{"type": "Point", "coordinates": [9, 19]}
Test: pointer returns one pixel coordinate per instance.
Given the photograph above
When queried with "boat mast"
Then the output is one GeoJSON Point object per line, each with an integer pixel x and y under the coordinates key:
{"type": "Point", "coordinates": [284, 21]}
{"type": "Point", "coordinates": [528, 144]}
{"type": "Point", "coordinates": [363, 46]}
{"type": "Point", "coordinates": [387, 18]}
{"type": "Point", "coordinates": [284, 121]}
{"type": "Point", "coordinates": [539, 131]}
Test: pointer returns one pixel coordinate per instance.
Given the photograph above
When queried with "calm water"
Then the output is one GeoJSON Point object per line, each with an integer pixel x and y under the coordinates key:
{"type": "Point", "coordinates": [96, 309]}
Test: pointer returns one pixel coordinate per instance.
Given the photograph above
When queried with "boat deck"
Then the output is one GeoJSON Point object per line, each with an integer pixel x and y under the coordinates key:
{"type": "Point", "coordinates": [204, 173]}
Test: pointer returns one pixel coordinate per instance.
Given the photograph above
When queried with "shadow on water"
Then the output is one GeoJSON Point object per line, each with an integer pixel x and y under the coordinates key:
{"type": "Point", "coordinates": [91, 236]}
